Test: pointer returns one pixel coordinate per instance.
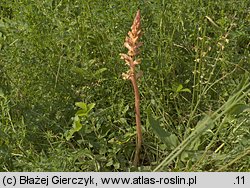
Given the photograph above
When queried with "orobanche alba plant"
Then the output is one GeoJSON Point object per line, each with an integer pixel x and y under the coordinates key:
{"type": "Point", "coordinates": [132, 44]}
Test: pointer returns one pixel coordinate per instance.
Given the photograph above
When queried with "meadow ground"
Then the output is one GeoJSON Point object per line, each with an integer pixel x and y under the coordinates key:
{"type": "Point", "coordinates": [65, 107]}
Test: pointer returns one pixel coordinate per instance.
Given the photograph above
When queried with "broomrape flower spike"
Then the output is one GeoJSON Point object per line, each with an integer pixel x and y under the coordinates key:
{"type": "Point", "coordinates": [132, 44]}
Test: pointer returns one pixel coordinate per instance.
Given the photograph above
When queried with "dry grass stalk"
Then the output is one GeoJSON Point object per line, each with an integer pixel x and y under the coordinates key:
{"type": "Point", "coordinates": [132, 44]}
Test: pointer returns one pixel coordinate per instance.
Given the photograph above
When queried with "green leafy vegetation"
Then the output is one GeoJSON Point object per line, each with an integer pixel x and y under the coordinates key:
{"type": "Point", "coordinates": [65, 107]}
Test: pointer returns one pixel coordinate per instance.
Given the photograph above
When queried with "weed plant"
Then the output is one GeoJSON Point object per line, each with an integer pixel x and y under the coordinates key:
{"type": "Point", "coordinates": [65, 107]}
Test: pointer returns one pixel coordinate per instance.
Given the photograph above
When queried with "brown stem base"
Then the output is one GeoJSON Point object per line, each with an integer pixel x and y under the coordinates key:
{"type": "Point", "coordinates": [138, 120]}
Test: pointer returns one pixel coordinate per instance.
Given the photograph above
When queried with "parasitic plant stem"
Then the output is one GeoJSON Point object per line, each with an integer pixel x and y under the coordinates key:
{"type": "Point", "coordinates": [132, 44]}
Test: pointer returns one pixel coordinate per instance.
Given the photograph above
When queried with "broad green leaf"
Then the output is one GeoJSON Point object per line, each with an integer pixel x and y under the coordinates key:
{"type": "Point", "coordinates": [91, 106]}
{"type": "Point", "coordinates": [204, 124]}
{"type": "Point", "coordinates": [116, 165]}
{"type": "Point", "coordinates": [85, 109]}
{"type": "Point", "coordinates": [179, 88]}
{"type": "Point", "coordinates": [173, 140]}
{"type": "Point", "coordinates": [81, 113]}
{"type": "Point", "coordinates": [111, 162]}
{"type": "Point", "coordinates": [238, 108]}
{"type": "Point", "coordinates": [186, 90]}
{"type": "Point", "coordinates": [75, 128]}
{"type": "Point", "coordinates": [155, 124]}
{"type": "Point", "coordinates": [69, 135]}
{"type": "Point", "coordinates": [77, 124]}
{"type": "Point", "coordinates": [184, 156]}
{"type": "Point", "coordinates": [168, 139]}
{"type": "Point", "coordinates": [82, 105]}
{"type": "Point", "coordinates": [98, 72]}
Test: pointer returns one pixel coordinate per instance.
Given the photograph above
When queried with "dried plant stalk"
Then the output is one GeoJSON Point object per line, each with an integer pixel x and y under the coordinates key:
{"type": "Point", "coordinates": [132, 44]}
